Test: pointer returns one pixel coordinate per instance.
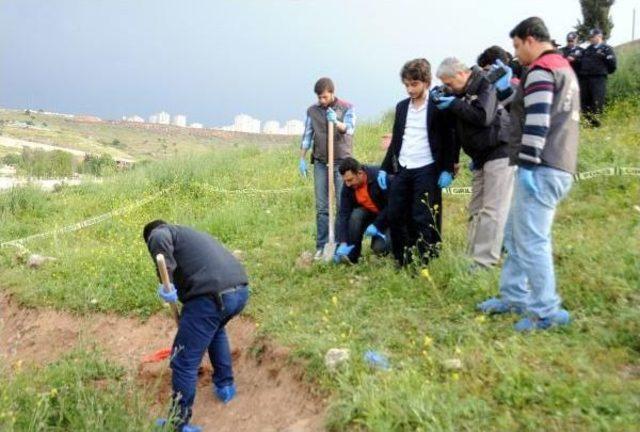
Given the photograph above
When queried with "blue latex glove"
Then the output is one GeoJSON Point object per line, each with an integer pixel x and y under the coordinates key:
{"type": "Point", "coordinates": [373, 231]}
{"type": "Point", "coordinates": [445, 101]}
{"type": "Point", "coordinates": [445, 179]}
{"type": "Point", "coordinates": [332, 116]}
{"type": "Point", "coordinates": [505, 82]}
{"type": "Point", "coordinates": [302, 166]}
{"type": "Point", "coordinates": [343, 250]}
{"type": "Point", "coordinates": [382, 179]}
{"type": "Point", "coordinates": [526, 179]}
{"type": "Point", "coordinates": [171, 296]}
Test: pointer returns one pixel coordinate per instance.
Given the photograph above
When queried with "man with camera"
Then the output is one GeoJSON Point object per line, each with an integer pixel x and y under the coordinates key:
{"type": "Point", "coordinates": [573, 52]}
{"type": "Point", "coordinates": [477, 113]}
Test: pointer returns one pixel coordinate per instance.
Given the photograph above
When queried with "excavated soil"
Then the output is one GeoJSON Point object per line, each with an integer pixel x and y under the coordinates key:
{"type": "Point", "coordinates": [271, 395]}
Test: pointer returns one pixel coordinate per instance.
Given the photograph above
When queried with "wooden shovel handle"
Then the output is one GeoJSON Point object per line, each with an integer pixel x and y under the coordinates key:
{"type": "Point", "coordinates": [164, 276]}
{"type": "Point", "coordinates": [332, 236]}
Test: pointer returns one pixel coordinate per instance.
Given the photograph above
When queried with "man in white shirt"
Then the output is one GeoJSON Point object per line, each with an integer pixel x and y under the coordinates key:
{"type": "Point", "coordinates": [422, 154]}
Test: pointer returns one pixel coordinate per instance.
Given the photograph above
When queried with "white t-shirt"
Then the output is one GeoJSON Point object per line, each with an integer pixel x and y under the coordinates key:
{"type": "Point", "coordinates": [415, 151]}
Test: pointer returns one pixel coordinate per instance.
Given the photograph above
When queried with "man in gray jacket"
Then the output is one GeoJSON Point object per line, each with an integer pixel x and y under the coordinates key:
{"type": "Point", "coordinates": [339, 112]}
{"type": "Point", "coordinates": [545, 114]}
{"type": "Point", "coordinates": [478, 122]}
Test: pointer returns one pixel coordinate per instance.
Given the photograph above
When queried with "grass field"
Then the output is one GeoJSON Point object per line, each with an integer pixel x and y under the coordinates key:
{"type": "Point", "coordinates": [583, 377]}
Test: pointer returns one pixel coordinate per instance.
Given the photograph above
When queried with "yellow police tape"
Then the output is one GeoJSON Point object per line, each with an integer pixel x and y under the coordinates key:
{"type": "Point", "coordinates": [589, 175]}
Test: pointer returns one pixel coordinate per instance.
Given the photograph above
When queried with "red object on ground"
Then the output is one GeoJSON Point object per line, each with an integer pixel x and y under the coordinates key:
{"type": "Point", "coordinates": [157, 356]}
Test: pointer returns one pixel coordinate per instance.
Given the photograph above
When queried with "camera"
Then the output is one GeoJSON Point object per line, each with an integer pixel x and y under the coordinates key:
{"type": "Point", "coordinates": [495, 74]}
{"type": "Point", "coordinates": [439, 92]}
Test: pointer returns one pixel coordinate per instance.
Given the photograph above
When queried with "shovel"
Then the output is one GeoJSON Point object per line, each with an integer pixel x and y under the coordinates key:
{"type": "Point", "coordinates": [330, 248]}
{"type": "Point", "coordinates": [164, 276]}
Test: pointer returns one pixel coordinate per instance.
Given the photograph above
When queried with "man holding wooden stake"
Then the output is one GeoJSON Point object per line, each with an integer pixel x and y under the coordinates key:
{"type": "Point", "coordinates": [213, 288]}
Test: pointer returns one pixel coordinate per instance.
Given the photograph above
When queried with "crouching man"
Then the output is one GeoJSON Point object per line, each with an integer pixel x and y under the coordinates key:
{"type": "Point", "coordinates": [212, 287]}
{"type": "Point", "coordinates": [363, 212]}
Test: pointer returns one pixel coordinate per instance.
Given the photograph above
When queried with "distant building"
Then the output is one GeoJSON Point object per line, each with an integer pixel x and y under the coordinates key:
{"type": "Point", "coordinates": [179, 120]}
{"type": "Point", "coordinates": [271, 127]}
{"type": "Point", "coordinates": [164, 118]}
{"type": "Point", "coordinates": [246, 123]}
{"type": "Point", "coordinates": [153, 118]}
{"type": "Point", "coordinates": [134, 119]}
{"type": "Point", "coordinates": [196, 125]}
{"type": "Point", "coordinates": [294, 127]}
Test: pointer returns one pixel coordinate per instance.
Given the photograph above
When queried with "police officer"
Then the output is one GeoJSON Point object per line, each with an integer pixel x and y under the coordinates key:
{"type": "Point", "coordinates": [598, 61]}
{"type": "Point", "coordinates": [573, 52]}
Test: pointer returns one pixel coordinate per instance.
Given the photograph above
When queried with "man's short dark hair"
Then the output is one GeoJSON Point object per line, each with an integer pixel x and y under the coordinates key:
{"type": "Point", "coordinates": [491, 54]}
{"type": "Point", "coordinates": [533, 27]}
{"type": "Point", "coordinates": [349, 164]}
{"type": "Point", "coordinates": [322, 85]}
{"type": "Point", "coordinates": [416, 70]}
{"type": "Point", "coordinates": [146, 232]}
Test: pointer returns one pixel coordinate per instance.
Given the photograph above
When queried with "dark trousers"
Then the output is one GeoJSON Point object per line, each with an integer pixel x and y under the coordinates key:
{"type": "Point", "coordinates": [593, 90]}
{"type": "Point", "coordinates": [415, 213]}
{"type": "Point", "coordinates": [202, 328]}
{"type": "Point", "coordinates": [359, 220]}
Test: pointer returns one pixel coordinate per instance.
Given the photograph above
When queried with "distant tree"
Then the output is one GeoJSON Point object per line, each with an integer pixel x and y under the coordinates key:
{"type": "Point", "coordinates": [27, 112]}
{"type": "Point", "coordinates": [595, 13]}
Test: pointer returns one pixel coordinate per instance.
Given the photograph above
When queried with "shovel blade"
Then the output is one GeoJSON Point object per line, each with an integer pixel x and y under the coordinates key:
{"type": "Point", "coordinates": [328, 251]}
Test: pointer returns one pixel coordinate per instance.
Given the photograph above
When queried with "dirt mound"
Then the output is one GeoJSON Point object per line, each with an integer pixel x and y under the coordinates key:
{"type": "Point", "coordinates": [271, 396]}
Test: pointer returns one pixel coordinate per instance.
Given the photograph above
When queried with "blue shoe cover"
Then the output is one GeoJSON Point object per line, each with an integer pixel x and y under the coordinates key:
{"type": "Point", "coordinates": [161, 422]}
{"type": "Point", "coordinates": [225, 393]}
{"type": "Point", "coordinates": [496, 306]}
{"type": "Point", "coordinates": [560, 318]}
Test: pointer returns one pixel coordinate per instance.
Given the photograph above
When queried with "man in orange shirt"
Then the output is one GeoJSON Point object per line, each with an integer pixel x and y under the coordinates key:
{"type": "Point", "coordinates": [363, 212]}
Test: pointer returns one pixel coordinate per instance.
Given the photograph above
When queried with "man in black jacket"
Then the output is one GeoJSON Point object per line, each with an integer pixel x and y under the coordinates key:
{"type": "Point", "coordinates": [478, 123]}
{"type": "Point", "coordinates": [212, 287]}
{"type": "Point", "coordinates": [363, 211]}
{"type": "Point", "coordinates": [598, 61]}
{"type": "Point", "coordinates": [422, 154]}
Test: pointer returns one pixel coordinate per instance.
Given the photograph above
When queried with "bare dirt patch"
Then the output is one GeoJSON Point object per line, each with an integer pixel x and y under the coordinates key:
{"type": "Point", "coordinates": [271, 396]}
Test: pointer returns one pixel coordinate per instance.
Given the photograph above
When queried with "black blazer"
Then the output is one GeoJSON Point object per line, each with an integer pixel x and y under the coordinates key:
{"type": "Point", "coordinates": [441, 132]}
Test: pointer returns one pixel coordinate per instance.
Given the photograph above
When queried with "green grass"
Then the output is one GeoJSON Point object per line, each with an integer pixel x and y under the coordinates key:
{"type": "Point", "coordinates": [626, 80]}
{"type": "Point", "coordinates": [583, 377]}
{"type": "Point", "coordinates": [80, 392]}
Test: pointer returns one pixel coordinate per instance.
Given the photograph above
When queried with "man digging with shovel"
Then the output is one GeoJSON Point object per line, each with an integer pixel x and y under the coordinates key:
{"type": "Point", "coordinates": [213, 288]}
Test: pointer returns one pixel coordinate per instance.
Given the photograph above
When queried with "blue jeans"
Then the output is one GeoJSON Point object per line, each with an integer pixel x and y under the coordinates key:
{"type": "Point", "coordinates": [321, 187]}
{"type": "Point", "coordinates": [202, 329]}
{"type": "Point", "coordinates": [528, 280]}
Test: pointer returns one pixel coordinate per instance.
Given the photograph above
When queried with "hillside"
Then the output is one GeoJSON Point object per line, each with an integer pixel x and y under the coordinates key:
{"type": "Point", "coordinates": [124, 140]}
{"type": "Point", "coordinates": [583, 377]}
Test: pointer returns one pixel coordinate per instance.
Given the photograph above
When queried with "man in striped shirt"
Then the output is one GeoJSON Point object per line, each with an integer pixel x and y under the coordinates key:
{"type": "Point", "coordinates": [545, 114]}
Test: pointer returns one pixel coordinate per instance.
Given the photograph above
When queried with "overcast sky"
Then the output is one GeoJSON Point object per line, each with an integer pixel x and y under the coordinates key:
{"type": "Point", "coordinates": [213, 59]}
